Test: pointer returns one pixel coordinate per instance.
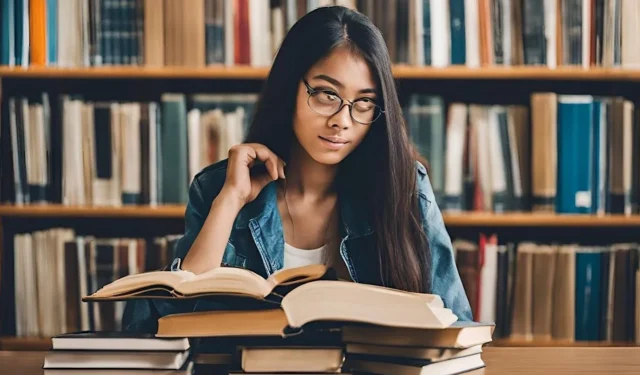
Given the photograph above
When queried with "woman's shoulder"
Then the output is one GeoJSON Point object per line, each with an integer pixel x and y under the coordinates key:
{"type": "Point", "coordinates": [424, 185]}
{"type": "Point", "coordinates": [209, 181]}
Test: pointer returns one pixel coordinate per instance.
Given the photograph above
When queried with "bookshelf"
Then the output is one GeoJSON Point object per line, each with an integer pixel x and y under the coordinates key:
{"type": "Point", "coordinates": [402, 72]}
{"type": "Point", "coordinates": [501, 76]}
{"type": "Point", "coordinates": [463, 219]}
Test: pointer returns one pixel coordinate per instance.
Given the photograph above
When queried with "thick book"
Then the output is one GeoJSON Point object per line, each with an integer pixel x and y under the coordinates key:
{"type": "Point", "coordinates": [117, 341]}
{"type": "Point", "coordinates": [459, 335]}
{"type": "Point", "coordinates": [70, 359]}
{"type": "Point", "coordinates": [302, 359]}
{"type": "Point", "coordinates": [186, 369]}
{"type": "Point", "coordinates": [402, 366]}
{"type": "Point", "coordinates": [315, 303]}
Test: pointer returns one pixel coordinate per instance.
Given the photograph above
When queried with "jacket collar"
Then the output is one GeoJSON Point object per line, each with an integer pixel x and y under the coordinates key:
{"type": "Point", "coordinates": [261, 210]}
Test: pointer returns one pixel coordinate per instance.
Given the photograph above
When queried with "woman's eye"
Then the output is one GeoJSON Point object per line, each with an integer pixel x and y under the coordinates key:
{"type": "Point", "coordinates": [330, 95]}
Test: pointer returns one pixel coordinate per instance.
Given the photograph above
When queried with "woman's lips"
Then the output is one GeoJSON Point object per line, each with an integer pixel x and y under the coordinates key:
{"type": "Point", "coordinates": [333, 142]}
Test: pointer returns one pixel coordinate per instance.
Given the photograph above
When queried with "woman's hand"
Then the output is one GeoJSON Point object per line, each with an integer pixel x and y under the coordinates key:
{"type": "Point", "coordinates": [244, 184]}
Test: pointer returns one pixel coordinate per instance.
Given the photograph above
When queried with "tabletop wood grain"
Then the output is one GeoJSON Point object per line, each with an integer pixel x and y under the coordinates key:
{"type": "Point", "coordinates": [499, 360]}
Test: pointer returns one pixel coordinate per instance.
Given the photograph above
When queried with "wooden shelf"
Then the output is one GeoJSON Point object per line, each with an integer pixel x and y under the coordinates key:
{"type": "Point", "coordinates": [259, 73]}
{"type": "Point", "coordinates": [558, 343]}
{"type": "Point", "coordinates": [111, 72]}
{"type": "Point", "coordinates": [38, 211]}
{"type": "Point", "coordinates": [463, 219]}
{"type": "Point", "coordinates": [528, 219]}
{"type": "Point", "coordinates": [25, 343]}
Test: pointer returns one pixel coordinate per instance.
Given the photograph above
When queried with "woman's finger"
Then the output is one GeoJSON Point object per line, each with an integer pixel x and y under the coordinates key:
{"type": "Point", "coordinates": [270, 159]}
{"type": "Point", "coordinates": [281, 168]}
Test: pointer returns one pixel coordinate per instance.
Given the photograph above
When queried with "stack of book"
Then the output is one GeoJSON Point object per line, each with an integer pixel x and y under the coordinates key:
{"type": "Point", "coordinates": [305, 320]}
{"type": "Point", "coordinates": [118, 353]}
{"type": "Point", "coordinates": [386, 350]}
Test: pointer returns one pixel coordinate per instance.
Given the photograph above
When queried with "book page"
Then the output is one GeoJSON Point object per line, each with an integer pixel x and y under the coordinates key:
{"type": "Point", "coordinates": [168, 280]}
{"type": "Point", "coordinates": [297, 275]}
{"type": "Point", "coordinates": [226, 280]}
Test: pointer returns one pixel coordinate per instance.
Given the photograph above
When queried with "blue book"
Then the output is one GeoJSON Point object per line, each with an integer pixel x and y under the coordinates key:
{"type": "Point", "coordinates": [426, 24]}
{"type": "Point", "coordinates": [21, 13]}
{"type": "Point", "coordinates": [458, 41]}
{"type": "Point", "coordinates": [174, 157]}
{"type": "Point", "coordinates": [7, 33]}
{"type": "Point", "coordinates": [575, 154]}
{"type": "Point", "coordinates": [52, 32]}
{"type": "Point", "coordinates": [588, 294]}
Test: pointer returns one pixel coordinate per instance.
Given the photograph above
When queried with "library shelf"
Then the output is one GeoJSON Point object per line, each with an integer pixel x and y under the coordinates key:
{"type": "Point", "coordinates": [259, 73]}
{"type": "Point", "coordinates": [538, 219]}
{"type": "Point", "coordinates": [25, 343]}
{"type": "Point", "coordinates": [513, 342]}
{"type": "Point", "coordinates": [126, 211]}
{"type": "Point", "coordinates": [461, 219]}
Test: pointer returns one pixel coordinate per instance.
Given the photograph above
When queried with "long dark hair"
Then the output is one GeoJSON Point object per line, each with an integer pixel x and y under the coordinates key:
{"type": "Point", "coordinates": [380, 175]}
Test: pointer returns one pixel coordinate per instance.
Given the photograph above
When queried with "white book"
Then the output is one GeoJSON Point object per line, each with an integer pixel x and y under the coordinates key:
{"type": "Point", "coordinates": [488, 284]}
{"type": "Point", "coordinates": [30, 285]}
{"type": "Point", "coordinates": [456, 134]}
{"type": "Point", "coordinates": [440, 34]}
{"type": "Point", "coordinates": [586, 33]}
{"type": "Point", "coordinates": [472, 33]}
{"type": "Point", "coordinates": [550, 31]}
{"type": "Point", "coordinates": [229, 37]}
{"type": "Point", "coordinates": [494, 148]}
{"type": "Point", "coordinates": [507, 33]}
{"type": "Point", "coordinates": [630, 20]}
{"type": "Point", "coordinates": [131, 152]}
{"type": "Point", "coordinates": [117, 341]}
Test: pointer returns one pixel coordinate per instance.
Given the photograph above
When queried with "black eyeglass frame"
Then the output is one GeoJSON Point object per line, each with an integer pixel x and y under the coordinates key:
{"type": "Point", "coordinates": [311, 91]}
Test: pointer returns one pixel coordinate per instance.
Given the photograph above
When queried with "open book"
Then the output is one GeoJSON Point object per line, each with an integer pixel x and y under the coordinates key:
{"type": "Point", "coordinates": [221, 280]}
{"type": "Point", "coordinates": [304, 295]}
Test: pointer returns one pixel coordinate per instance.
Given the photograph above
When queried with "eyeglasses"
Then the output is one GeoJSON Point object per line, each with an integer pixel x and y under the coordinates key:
{"type": "Point", "coordinates": [327, 103]}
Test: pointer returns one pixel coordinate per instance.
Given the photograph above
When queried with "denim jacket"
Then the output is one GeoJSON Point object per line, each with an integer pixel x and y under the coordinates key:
{"type": "Point", "coordinates": [256, 242]}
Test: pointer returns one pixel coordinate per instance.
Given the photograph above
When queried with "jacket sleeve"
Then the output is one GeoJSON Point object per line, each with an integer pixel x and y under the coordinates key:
{"type": "Point", "coordinates": [141, 315]}
{"type": "Point", "coordinates": [445, 280]}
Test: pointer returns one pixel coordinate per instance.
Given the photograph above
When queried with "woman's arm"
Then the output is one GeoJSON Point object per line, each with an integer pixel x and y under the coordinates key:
{"type": "Point", "coordinates": [209, 231]}
{"type": "Point", "coordinates": [216, 196]}
{"type": "Point", "coordinates": [207, 248]}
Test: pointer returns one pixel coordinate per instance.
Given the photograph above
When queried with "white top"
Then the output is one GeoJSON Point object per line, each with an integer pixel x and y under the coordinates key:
{"type": "Point", "coordinates": [294, 257]}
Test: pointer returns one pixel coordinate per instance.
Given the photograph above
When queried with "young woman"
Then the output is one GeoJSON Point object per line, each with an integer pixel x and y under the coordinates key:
{"type": "Point", "coordinates": [326, 175]}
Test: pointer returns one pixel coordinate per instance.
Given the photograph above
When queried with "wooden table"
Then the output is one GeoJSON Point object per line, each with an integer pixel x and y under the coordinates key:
{"type": "Point", "coordinates": [499, 360]}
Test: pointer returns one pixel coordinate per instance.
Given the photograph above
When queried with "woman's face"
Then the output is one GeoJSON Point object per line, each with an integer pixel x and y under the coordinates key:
{"type": "Point", "coordinates": [326, 136]}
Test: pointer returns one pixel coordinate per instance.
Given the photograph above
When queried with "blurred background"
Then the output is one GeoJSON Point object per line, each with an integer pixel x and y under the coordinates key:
{"type": "Point", "coordinates": [525, 111]}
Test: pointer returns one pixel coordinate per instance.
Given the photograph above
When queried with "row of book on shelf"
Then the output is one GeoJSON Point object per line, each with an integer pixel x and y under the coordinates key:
{"type": "Point", "coordinates": [298, 320]}
{"type": "Point", "coordinates": [562, 153]}
{"type": "Point", "coordinates": [531, 290]}
{"type": "Point", "coordinates": [107, 153]}
{"type": "Point", "coordinates": [573, 154]}
{"type": "Point", "coordinates": [249, 32]}
{"type": "Point", "coordinates": [552, 291]}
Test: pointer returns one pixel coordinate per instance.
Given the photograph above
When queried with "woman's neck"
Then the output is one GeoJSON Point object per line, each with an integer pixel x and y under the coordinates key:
{"type": "Point", "coordinates": [308, 178]}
